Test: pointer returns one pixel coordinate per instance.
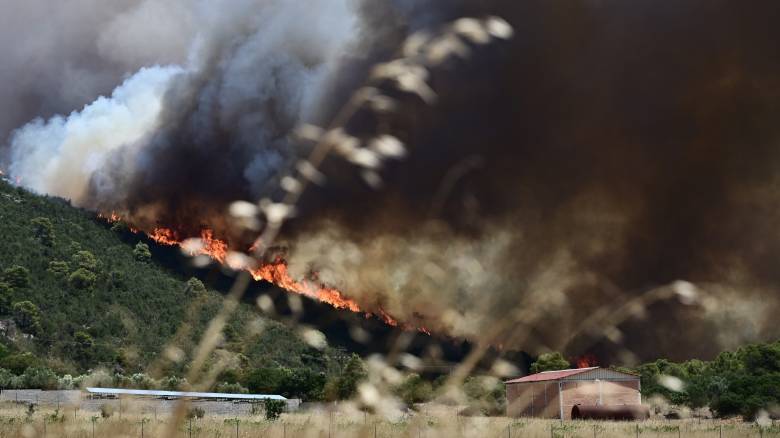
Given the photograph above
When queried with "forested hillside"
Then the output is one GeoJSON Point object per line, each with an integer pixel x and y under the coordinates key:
{"type": "Point", "coordinates": [77, 295]}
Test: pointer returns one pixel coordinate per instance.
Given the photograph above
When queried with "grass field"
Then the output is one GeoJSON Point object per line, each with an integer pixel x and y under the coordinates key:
{"type": "Point", "coordinates": [14, 422]}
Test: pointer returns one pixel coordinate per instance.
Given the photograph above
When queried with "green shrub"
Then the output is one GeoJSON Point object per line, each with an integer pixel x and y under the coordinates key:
{"type": "Point", "coordinates": [18, 277]}
{"type": "Point", "coordinates": [82, 279]}
{"type": "Point", "coordinates": [85, 260]}
{"type": "Point", "coordinates": [142, 253]}
{"type": "Point", "coordinates": [550, 362]}
{"type": "Point", "coordinates": [6, 295]}
{"type": "Point", "coordinates": [27, 317]}
{"type": "Point", "coordinates": [58, 269]}
{"type": "Point", "coordinates": [19, 362]}
{"type": "Point", "coordinates": [43, 230]}
{"type": "Point", "coordinates": [273, 408]}
{"type": "Point", "coordinates": [196, 412]}
{"type": "Point", "coordinates": [40, 378]}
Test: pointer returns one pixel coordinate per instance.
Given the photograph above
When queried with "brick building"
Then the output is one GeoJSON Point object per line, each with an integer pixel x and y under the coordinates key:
{"type": "Point", "coordinates": [553, 394]}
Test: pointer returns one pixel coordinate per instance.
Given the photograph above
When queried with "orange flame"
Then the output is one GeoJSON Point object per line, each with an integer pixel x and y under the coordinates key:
{"type": "Point", "coordinates": [276, 273]}
{"type": "Point", "coordinates": [587, 361]}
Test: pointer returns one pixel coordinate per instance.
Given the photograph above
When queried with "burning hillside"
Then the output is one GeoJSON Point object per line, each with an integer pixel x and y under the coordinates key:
{"type": "Point", "coordinates": [275, 272]}
{"type": "Point", "coordinates": [610, 152]}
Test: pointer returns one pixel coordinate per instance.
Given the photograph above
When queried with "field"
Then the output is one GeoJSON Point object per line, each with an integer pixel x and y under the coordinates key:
{"type": "Point", "coordinates": [14, 422]}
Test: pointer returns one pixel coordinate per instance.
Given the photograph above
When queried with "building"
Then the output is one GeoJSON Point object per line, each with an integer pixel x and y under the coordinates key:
{"type": "Point", "coordinates": [553, 394]}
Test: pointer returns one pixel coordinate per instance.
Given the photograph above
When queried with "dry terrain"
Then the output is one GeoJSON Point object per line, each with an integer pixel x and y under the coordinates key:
{"type": "Point", "coordinates": [14, 422]}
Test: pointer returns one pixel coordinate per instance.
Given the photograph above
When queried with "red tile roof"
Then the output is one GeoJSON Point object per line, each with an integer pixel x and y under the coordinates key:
{"type": "Point", "coordinates": [550, 375]}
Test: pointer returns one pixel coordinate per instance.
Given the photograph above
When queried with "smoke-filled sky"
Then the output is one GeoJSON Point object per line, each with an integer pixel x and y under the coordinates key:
{"type": "Point", "coordinates": [611, 150]}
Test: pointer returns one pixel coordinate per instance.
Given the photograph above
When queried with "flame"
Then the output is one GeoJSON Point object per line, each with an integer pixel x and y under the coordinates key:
{"type": "Point", "coordinates": [276, 272]}
{"type": "Point", "coordinates": [587, 361]}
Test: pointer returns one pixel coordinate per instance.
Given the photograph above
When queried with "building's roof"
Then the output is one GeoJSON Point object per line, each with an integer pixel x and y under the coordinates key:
{"type": "Point", "coordinates": [592, 373]}
{"type": "Point", "coordinates": [550, 375]}
{"type": "Point", "coordinates": [179, 394]}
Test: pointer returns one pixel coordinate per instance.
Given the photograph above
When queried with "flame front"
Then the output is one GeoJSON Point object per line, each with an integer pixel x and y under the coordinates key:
{"type": "Point", "coordinates": [276, 273]}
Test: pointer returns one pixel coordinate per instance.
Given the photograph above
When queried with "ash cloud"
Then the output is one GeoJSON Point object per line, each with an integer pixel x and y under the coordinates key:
{"type": "Point", "coordinates": [607, 152]}
{"type": "Point", "coordinates": [619, 148]}
{"type": "Point", "coordinates": [238, 77]}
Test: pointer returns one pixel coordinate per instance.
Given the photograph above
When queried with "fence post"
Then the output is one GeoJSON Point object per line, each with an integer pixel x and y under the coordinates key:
{"type": "Point", "coordinates": [594, 431]}
{"type": "Point", "coordinates": [552, 435]}
{"type": "Point", "coordinates": [720, 431]}
{"type": "Point", "coordinates": [190, 428]}
{"type": "Point", "coordinates": [237, 420]}
{"type": "Point", "coordinates": [142, 428]}
{"type": "Point", "coordinates": [637, 431]}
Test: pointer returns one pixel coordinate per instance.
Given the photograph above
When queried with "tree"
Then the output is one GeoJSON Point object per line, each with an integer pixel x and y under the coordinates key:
{"type": "Point", "coordinates": [6, 294]}
{"type": "Point", "coordinates": [83, 347]}
{"type": "Point", "coordinates": [82, 279]}
{"type": "Point", "coordinates": [19, 362]}
{"type": "Point", "coordinates": [141, 252]}
{"type": "Point", "coordinates": [43, 230]}
{"type": "Point", "coordinates": [354, 372]}
{"type": "Point", "coordinates": [273, 408]}
{"type": "Point", "coordinates": [40, 378]}
{"type": "Point", "coordinates": [18, 277]}
{"type": "Point", "coordinates": [550, 362]}
{"type": "Point", "coordinates": [27, 317]}
{"type": "Point", "coordinates": [195, 287]}
{"type": "Point", "coordinates": [266, 380]}
{"type": "Point", "coordinates": [303, 383]}
{"type": "Point", "coordinates": [58, 269]}
{"type": "Point", "coordinates": [415, 389]}
{"type": "Point", "coordinates": [85, 260]}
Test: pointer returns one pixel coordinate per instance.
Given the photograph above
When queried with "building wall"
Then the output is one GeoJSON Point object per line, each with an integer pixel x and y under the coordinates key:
{"type": "Point", "coordinates": [536, 399]}
{"type": "Point", "coordinates": [541, 399]}
{"type": "Point", "coordinates": [80, 401]}
{"type": "Point", "coordinates": [595, 392]}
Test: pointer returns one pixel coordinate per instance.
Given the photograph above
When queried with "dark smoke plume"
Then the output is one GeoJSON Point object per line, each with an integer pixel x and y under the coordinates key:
{"type": "Point", "coordinates": [611, 151]}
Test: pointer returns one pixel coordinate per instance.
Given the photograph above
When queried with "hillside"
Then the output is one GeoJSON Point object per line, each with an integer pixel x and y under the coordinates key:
{"type": "Point", "coordinates": [100, 299]}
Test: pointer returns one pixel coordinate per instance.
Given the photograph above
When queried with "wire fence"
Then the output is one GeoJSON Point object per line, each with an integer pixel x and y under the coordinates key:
{"type": "Point", "coordinates": [329, 425]}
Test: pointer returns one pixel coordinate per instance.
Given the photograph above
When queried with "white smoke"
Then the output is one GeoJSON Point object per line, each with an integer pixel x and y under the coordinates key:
{"type": "Point", "coordinates": [59, 156]}
{"type": "Point", "coordinates": [253, 68]}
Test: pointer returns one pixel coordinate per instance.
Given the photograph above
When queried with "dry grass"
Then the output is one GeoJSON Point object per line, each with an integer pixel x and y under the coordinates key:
{"type": "Point", "coordinates": [15, 423]}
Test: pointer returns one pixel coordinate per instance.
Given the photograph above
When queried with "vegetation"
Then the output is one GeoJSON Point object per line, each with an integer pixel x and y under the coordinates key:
{"type": "Point", "coordinates": [79, 294]}
{"type": "Point", "coordinates": [742, 382]}
{"type": "Point", "coordinates": [550, 362]}
{"type": "Point", "coordinates": [443, 422]}
{"type": "Point", "coordinates": [273, 408]}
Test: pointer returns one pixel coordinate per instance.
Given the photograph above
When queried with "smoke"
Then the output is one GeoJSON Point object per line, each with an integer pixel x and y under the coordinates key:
{"type": "Point", "coordinates": [561, 180]}
{"type": "Point", "coordinates": [612, 150]}
{"type": "Point", "coordinates": [60, 156]}
{"type": "Point", "coordinates": [177, 139]}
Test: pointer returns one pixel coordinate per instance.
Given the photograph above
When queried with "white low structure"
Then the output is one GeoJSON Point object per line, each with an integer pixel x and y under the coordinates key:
{"type": "Point", "coordinates": [117, 392]}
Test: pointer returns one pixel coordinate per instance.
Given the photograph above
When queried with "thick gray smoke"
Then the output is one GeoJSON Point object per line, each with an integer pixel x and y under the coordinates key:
{"type": "Point", "coordinates": [59, 56]}
{"type": "Point", "coordinates": [238, 77]}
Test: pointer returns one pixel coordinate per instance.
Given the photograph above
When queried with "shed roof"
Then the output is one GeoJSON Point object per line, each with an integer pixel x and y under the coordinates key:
{"type": "Point", "coordinates": [550, 375]}
{"type": "Point", "coordinates": [180, 394]}
{"type": "Point", "coordinates": [603, 373]}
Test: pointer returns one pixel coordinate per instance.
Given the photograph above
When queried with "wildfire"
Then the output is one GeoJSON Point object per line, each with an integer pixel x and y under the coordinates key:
{"type": "Point", "coordinates": [587, 361]}
{"type": "Point", "coordinates": [276, 272]}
